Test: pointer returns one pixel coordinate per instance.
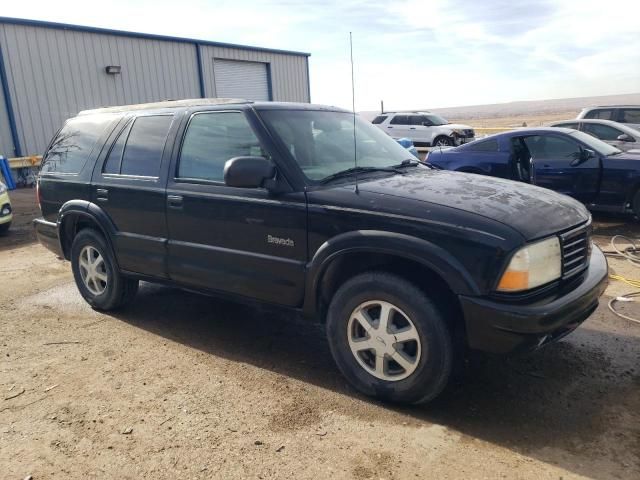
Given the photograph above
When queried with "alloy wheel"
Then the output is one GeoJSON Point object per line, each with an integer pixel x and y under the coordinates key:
{"type": "Point", "coordinates": [384, 340]}
{"type": "Point", "coordinates": [93, 270]}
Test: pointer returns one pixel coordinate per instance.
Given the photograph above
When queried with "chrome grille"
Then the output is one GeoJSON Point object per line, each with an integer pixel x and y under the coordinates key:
{"type": "Point", "coordinates": [576, 248]}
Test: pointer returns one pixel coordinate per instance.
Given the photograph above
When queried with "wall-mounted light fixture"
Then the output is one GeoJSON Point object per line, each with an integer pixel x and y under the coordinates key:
{"type": "Point", "coordinates": [113, 69]}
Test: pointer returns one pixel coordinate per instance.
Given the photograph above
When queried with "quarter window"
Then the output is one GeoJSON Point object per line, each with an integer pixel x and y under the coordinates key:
{"type": "Point", "coordinates": [213, 138]}
{"type": "Point", "coordinates": [74, 143]}
{"type": "Point", "coordinates": [484, 146]}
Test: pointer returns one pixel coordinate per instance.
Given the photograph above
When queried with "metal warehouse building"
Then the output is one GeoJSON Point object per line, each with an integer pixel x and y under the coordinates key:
{"type": "Point", "coordinates": [51, 71]}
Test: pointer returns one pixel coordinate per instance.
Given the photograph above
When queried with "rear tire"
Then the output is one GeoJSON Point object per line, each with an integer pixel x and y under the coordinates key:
{"type": "Point", "coordinates": [4, 228]}
{"type": "Point", "coordinates": [416, 335]}
{"type": "Point", "coordinates": [96, 274]}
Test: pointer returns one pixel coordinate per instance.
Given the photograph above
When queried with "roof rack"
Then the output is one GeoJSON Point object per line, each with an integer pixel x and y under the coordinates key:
{"type": "Point", "coordinates": [192, 102]}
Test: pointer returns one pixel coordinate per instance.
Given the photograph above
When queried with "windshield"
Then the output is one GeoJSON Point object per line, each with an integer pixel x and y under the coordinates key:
{"type": "Point", "coordinates": [436, 120]}
{"type": "Point", "coordinates": [322, 142]}
{"type": "Point", "coordinates": [596, 144]}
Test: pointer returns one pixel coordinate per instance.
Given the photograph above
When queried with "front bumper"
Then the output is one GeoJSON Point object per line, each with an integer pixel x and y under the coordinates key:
{"type": "Point", "coordinates": [500, 327]}
{"type": "Point", "coordinates": [47, 233]}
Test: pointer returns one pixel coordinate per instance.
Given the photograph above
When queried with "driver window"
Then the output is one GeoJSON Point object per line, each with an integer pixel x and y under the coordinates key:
{"type": "Point", "coordinates": [213, 138]}
{"type": "Point", "coordinates": [552, 147]}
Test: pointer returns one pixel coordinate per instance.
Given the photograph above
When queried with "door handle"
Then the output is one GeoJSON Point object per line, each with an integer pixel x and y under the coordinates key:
{"type": "Point", "coordinates": [174, 201]}
{"type": "Point", "coordinates": [389, 127]}
{"type": "Point", "coordinates": [102, 194]}
{"type": "Point", "coordinates": [412, 128]}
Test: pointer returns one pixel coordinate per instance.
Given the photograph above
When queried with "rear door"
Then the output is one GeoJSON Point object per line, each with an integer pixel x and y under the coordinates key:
{"type": "Point", "coordinates": [398, 127]}
{"type": "Point", "coordinates": [554, 167]}
{"type": "Point", "coordinates": [243, 241]}
{"type": "Point", "coordinates": [129, 185]}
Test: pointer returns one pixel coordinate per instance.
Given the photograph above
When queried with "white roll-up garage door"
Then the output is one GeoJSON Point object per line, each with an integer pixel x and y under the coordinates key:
{"type": "Point", "coordinates": [238, 79]}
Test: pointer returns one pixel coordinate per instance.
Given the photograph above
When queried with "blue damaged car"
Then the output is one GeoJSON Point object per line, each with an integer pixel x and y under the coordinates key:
{"type": "Point", "coordinates": [568, 161]}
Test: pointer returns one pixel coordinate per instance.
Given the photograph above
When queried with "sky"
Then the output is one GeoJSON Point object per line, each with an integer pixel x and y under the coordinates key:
{"type": "Point", "coordinates": [409, 53]}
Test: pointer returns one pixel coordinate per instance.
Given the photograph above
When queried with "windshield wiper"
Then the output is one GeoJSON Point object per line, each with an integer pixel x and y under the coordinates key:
{"type": "Point", "coordinates": [409, 162]}
{"type": "Point", "coordinates": [355, 170]}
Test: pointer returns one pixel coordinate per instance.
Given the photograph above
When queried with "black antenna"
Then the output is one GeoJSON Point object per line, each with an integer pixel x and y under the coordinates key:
{"type": "Point", "coordinates": [353, 107]}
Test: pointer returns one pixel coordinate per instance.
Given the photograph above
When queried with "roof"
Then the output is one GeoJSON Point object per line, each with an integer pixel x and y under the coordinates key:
{"type": "Point", "coordinates": [150, 36]}
{"type": "Point", "coordinates": [197, 102]}
{"type": "Point", "coordinates": [191, 102]}
{"type": "Point", "coordinates": [612, 106]}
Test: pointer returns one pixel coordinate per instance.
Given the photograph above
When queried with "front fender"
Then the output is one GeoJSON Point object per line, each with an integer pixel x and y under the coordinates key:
{"type": "Point", "coordinates": [396, 244]}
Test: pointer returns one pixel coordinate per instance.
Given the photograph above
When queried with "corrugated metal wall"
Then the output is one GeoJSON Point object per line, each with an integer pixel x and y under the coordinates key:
{"type": "Point", "coordinates": [53, 73]}
{"type": "Point", "coordinates": [289, 80]}
{"type": "Point", "coordinates": [6, 142]}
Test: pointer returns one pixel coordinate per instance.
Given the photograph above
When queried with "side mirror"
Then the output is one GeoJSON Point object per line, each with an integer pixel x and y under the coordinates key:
{"type": "Point", "coordinates": [248, 172]}
{"type": "Point", "coordinates": [584, 155]}
{"type": "Point", "coordinates": [625, 137]}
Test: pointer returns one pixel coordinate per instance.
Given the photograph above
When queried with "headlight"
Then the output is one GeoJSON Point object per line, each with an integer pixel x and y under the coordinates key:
{"type": "Point", "coordinates": [532, 266]}
{"type": "Point", "coordinates": [457, 131]}
{"type": "Point", "coordinates": [3, 188]}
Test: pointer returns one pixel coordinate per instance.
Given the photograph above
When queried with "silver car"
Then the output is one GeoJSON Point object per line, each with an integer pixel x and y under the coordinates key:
{"type": "Point", "coordinates": [627, 114]}
{"type": "Point", "coordinates": [621, 136]}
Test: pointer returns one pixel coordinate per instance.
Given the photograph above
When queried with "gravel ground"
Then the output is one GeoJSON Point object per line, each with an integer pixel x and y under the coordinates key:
{"type": "Point", "coordinates": [184, 386]}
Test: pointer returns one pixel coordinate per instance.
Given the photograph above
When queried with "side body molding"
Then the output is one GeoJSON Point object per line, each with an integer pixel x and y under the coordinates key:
{"type": "Point", "coordinates": [396, 244]}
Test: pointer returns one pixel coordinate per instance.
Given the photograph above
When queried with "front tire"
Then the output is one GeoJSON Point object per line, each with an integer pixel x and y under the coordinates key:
{"type": "Point", "coordinates": [389, 339]}
{"type": "Point", "coordinates": [443, 141]}
{"type": "Point", "coordinates": [96, 274]}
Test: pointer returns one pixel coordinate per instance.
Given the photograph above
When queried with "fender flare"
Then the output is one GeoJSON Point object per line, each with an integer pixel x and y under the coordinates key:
{"type": "Point", "coordinates": [408, 247]}
{"type": "Point", "coordinates": [91, 211]}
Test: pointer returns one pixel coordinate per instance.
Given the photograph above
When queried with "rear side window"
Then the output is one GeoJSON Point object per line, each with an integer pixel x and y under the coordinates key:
{"type": "Point", "coordinates": [379, 119]}
{"type": "Point", "coordinates": [213, 138]}
{"type": "Point", "coordinates": [603, 132]}
{"type": "Point", "coordinates": [400, 120]}
{"type": "Point", "coordinates": [573, 125]}
{"type": "Point", "coordinates": [138, 149]}
{"type": "Point", "coordinates": [630, 115]}
{"type": "Point", "coordinates": [484, 146]}
{"type": "Point", "coordinates": [73, 145]}
{"type": "Point", "coordinates": [602, 114]}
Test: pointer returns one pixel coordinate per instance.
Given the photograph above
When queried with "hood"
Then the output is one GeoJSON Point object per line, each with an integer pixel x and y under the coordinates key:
{"type": "Point", "coordinates": [458, 126]}
{"type": "Point", "coordinates": [533, 211]}
{"type": "Point", "coordinates": [633, 154]}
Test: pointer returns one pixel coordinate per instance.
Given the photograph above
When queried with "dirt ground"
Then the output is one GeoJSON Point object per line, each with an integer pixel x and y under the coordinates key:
{"type": "Point", "coordinates": [185, 386]}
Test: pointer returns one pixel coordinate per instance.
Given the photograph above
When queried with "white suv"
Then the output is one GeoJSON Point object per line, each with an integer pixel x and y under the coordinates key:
{"type": "Point", "coordinates": [627, 114]}
{"type": "Point", "coordinates": [424, 128]}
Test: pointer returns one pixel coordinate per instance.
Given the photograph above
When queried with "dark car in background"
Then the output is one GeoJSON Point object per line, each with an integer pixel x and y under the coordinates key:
{"type": "Point", "coordinates": [565, 160]}
{"type": "Point", "coordinates": [408, 265]}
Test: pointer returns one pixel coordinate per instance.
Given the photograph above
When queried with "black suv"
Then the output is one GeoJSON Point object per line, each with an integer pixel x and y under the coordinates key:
{"type": "Point", "coordinates": [312, 208]}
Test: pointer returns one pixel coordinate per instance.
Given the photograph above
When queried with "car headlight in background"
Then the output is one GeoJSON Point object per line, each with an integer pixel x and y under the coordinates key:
{"type": "Point", "coordinates": [457, 131]}
{"type": "Point", "coordinates": [532, 266]}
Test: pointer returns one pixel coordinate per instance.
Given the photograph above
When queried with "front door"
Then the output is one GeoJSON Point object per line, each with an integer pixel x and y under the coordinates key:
{"type": "Point", "coordinates": [129, 185]}
{"type": "Point", "coordinates": [557, 166]}
{"type": "Point", "coordinates": [235, 240]}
